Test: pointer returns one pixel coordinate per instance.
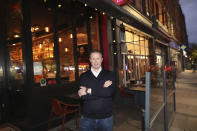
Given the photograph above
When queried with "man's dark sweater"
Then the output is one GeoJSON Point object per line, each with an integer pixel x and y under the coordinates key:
{"type": "Point", "coordinates": [98, 105]}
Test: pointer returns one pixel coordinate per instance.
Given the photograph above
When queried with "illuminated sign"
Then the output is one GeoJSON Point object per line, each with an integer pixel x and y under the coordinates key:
{"type": "Point", "coordinates": [173, 44]}
{"type": "Point", "coordinates": [38, 68]}
{"type": "Point", "coordinates": [121, 2]}
{"type": "Point", "coordinates": [184, 47]}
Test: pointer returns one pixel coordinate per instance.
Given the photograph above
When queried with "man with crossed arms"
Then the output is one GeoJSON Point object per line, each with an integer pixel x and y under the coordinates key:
{"type": "Point", "coordinates": [97, 86]}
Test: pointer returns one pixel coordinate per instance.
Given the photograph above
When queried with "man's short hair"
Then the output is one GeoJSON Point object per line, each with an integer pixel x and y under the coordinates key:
{"type": "Point", "coordinates": [96, 51]}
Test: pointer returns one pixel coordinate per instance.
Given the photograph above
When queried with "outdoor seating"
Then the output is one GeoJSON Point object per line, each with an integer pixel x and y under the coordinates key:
{"type": "Point", "coordinates": [60, 108]}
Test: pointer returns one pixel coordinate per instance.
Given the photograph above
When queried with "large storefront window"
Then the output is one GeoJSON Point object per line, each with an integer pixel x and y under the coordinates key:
{"type": "Point", "coordinates": [78, 13]}
{"type": "Point", "coordinates": [67, 69]}
{"type": "Point", "coordinates": [42, 41]}
{"type": "Point", "coordinates": [14, 35]}
{"type": "Point", "coordinates": [137, 54]}
{"type": "Point", "coordinates": [83, 30]}
{"type": "Point", "coordinates": [66, 44]}
{"type": "Point", "coordinates": [71, 15]}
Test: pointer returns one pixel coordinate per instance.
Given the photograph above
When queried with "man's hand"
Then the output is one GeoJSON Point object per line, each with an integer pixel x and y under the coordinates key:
{"type": "Point", "coordinates": [82, 91]}
{"type": "Point", "coordinates": [107, 83]}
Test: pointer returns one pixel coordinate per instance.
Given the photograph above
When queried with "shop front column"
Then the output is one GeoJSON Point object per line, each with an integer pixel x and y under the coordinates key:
{"type": "Point", "coordinates": [3, 68]}
{"type": "Point", "coordinates": [27, 56]}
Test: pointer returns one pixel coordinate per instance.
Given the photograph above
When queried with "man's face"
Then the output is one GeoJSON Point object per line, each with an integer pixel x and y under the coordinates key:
{"type": "Point", "coordinates": [96, 60]}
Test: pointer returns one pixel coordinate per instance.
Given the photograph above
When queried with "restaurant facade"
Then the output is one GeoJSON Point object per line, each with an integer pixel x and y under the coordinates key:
{"type": "Point", "coordinates": [45, 46]}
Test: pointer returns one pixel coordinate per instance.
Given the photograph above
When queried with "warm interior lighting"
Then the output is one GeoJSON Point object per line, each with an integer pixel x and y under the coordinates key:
{"type": "Point", "coordinates": [45, 1]}
{"type": "Point", "coordinates": [13, 44]}
{"type": "Point", "coordinates": [71, 35]}
{"type": "Point", "coordinates": [51, 56]}
{"type": "Point", "coordinates": [90, 17]}
{"type": "Point", "coordinates": [46, 29]}
{"type": "Point", "coordinates": [60, 39]}
{"type": "Point", "coordinates": [85, 4]}
{"type": "Point", "coordinates": [16, 36]}
{"type": "Point", "coordinates": [66, 49]}
{"type": "Point", "coordinates": [32, 29]}
{"type": "Point", "coordinates": [103, 13]}
{"type": "Point", "coordinates": [36, 28]}
{"type": "Point", "coordinates": [59, 5]}
{"type": "Point", "coordinates": [95, 9]}
{"type": "Point", "coordinates": [40, 46]}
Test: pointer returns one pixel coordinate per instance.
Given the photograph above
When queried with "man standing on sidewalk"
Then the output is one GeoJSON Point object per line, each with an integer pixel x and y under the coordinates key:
{"type": "Point", "coordinates": [96, 89]}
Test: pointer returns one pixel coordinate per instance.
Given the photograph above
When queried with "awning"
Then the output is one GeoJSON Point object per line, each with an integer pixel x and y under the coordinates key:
{"type": "Point", "coordinates": [112, 9]}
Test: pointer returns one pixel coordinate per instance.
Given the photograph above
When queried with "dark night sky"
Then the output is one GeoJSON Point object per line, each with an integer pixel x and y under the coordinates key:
{"type": "Point", "coordinates": [189, 8]}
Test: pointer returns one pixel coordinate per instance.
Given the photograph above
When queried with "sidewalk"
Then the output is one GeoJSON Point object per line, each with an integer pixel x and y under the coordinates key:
{"type": "Point", "coordinates": [186, 102]}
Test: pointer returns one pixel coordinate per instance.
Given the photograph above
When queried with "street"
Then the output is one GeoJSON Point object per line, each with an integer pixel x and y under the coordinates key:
{"type": "Point", "coordinates": [186, 102]}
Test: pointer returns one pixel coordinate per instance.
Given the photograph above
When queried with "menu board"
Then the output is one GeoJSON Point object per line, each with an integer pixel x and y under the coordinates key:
{"type": "Point", "coordinates": [38, 68]}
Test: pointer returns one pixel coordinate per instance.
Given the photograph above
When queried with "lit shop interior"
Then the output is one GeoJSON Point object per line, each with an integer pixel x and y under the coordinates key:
{"type": "Point", "coordinates": [85, 35]}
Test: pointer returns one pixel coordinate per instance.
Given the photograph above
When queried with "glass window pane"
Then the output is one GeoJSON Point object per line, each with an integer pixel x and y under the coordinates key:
{"type": "Point", "coordinates": [82, 47]}
{"type": "Point", "coordinates": [42, 40]}
{"type": "Point", "coordinates": [129, 39]}
{"type": "Point", "coordinates": [16, 64]}
{"type": "Point", "coordinates": [67, 68]}
{"type": "Point", "coordinates": [14, 35]}
{"type": "Point", "coordinates": [129, 36]}
{"type": "Point", "coordinates": [147, 51]}
{"type": "Point", "coordinates": [146, 43]}
{"type": "Point", "coordinates": [142, 50]}
{"type": "Point", "coordinates": [142, 44]}
{"type": "Point", "coordinates": [130, 48]}
{"type": "Point", "coordinates": [66, 44]}
{"type": "Point", "coordinates": [136, 39]}
{"type": "Point", "coordinates": [137, 49]}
